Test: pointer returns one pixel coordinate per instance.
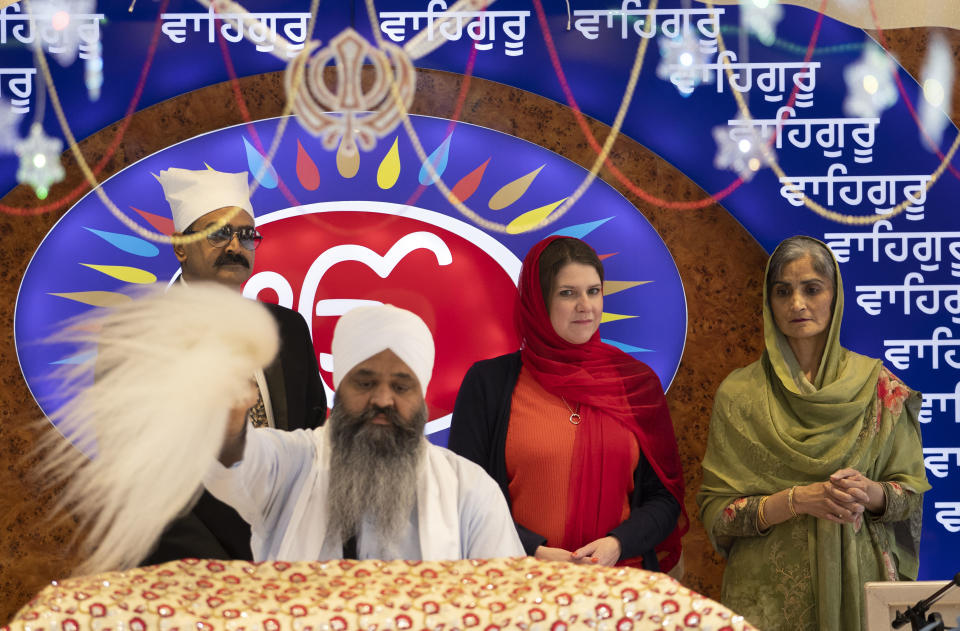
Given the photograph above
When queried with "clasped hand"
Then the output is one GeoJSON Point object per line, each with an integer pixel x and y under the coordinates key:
{"type": "Point", "coordinates": [603, 551]}
{"type": "Point", "coordinates": [842, 498]}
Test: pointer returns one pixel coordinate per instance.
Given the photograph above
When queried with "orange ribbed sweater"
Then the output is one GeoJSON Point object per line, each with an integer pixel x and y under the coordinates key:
{"type": "Point", "coordinates": [539, 455]}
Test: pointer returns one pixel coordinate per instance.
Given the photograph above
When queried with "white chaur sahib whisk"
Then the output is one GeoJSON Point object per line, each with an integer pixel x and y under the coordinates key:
{"type": "Point", "coordinates": [146, 416]}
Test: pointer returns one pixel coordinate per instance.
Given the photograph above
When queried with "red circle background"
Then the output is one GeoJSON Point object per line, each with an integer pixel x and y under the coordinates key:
{"type": "Point", "coordinates": [468, 305]}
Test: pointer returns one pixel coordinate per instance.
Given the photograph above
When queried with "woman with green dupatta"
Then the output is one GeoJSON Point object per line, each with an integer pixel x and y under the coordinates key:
{"type": "Point", "coordinates": [813, 478]}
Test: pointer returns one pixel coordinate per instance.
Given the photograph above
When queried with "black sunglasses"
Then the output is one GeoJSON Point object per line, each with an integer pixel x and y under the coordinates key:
{"type": "Point", "coordinates": [248, 236]}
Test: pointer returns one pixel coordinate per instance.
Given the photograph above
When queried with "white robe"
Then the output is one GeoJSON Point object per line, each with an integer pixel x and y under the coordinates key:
{"type": "Point", "coordinates": [280, 489]}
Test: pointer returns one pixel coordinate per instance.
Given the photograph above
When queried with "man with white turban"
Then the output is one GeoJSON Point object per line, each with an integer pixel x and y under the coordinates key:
{"type": "Point", "coordinates": [368, 484]}
{"type": "Point", "coordinates": [290, 393]}
{"type": "Point", "coordinates": [199, 200]}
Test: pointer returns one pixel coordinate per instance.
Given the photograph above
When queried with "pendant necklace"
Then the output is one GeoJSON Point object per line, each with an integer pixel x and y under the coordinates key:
{"type": "Point", "coordinates": [574, 416]}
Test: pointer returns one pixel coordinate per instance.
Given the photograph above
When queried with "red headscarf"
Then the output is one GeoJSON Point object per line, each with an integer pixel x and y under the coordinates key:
{"type": "Point", "coordinates": [604, 377]}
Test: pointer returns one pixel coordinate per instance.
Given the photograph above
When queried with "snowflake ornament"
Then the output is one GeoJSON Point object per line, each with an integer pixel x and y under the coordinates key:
{"type": "Point", "coordinates": [870, 85]}
{"type": "Point", "coordinates": [39, 160]}
{"type": "Point", "coordinates": [761, 17]}
{"type": "Point", "coordinates": [9, 127]}
{"type": "Point", "coordinates": [937, 88]}
{"type": "Point", "coordinates": [680, 62]}
{"type": "Point", "coordinates": [61, 30]}
{"type": "Point", "coordinates": [739, 149]}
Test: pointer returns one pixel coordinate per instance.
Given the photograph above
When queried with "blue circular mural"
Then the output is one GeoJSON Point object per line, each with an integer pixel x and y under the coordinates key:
{"type": "Point", "coordinates": [346, 220]}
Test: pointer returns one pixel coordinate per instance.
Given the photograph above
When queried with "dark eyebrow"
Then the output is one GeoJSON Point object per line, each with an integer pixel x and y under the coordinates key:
{"type": "Point", "coordinates": [366, 372]}
{"type": "Point", "coordinates": [803, 282]}
{"type": "Point", "coordinates": [230, 224]}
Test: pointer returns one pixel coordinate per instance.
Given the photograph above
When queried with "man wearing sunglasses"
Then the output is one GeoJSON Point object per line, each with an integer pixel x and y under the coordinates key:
{"type": "Point", "coordinates": [291, 393]}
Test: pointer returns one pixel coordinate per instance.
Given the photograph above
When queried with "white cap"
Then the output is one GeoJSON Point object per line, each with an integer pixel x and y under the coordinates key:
{"type": "Point", "coordinates": [365, 331]}
{"type": "Point", "coordinates": [193, 194]}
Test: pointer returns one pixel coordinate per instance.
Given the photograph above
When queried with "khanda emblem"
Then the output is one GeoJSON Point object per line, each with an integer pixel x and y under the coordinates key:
{"type": "Point", "coordinates": [365, 110]}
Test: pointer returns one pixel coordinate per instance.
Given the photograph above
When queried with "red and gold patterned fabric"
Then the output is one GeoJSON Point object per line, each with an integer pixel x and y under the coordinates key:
{"type": "Point", "coordinates": [375, 596]}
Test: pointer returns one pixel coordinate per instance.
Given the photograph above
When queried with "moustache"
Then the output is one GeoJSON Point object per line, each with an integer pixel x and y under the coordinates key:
{"type": "Point", "coordinates": [390, 413]}
{"type": "Point", "coordinates": [232, 258]}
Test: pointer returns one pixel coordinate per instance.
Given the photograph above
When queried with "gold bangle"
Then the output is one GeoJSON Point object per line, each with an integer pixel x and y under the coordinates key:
{"type": "Point", "coordinates": [790, 505]}
{"type": "Point", "coordinates": [761, 518]}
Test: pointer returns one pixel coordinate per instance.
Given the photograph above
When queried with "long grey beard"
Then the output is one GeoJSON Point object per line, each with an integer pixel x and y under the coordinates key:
{"type": "Point", "coordinates": [373, 473]}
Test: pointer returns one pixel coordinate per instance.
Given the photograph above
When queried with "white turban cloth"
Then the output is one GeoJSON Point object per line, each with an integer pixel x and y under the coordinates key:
{"type": "Point", "coordinates": [365, 331]}
{"type": "Point", "coordinates": [193, 194]}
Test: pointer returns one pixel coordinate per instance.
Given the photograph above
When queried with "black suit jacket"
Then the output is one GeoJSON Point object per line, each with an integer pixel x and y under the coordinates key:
{"type": "Point", "coordinates": [213, 530]}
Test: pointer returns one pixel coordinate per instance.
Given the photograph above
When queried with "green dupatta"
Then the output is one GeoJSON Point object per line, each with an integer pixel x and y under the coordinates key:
{"type": "Point", "coordinates": [772, 429]}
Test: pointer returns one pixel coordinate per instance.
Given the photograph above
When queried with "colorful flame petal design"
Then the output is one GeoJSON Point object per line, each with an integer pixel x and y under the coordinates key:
{"type": "Point", "coordinates": [95, 298]}
{"type": "Point", "coordinates": [469, 183]}
{"type": "Point", "coordinates": [127, 242]}
{"type": "Point", "coordinates": [611, 287]}
{"type": "Point", "coordinates": [626, 348]}
{"type": "Point", "coordinates": [75, 360]}
{"type": "Point", "coordinates": [260, 169]}
{"type": "Point", "coordinates": [389, 170]}
{"type": "Point", "coordinates": [163, 225]}
{"type": "Point", "coordinates": [307, 172]}
{"type": "Point", "coordinates": [579, 231]}
{"type": "Point", "coordinates": [125, 273]}
{"type": "Point", "coordinates": [613, 317]}
{"type": "Point", "coordinates": [439, 159]}
{"type": "Point", "coordinates": [512, 191]}
{"type": "Point", "coordinates": [348, 162]}
{"type": "Point", "coordinates": [532, 218]}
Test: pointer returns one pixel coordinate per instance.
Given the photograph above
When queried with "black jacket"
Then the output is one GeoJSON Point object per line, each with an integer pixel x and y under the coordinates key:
{"type": "Point", "coordinates": [478, 431]}
{"type": "Point", "coordinates": [213, 530]}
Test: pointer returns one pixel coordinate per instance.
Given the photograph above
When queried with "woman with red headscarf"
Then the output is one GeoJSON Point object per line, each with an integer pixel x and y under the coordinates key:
{"type": "Point", "coordinates": [575, 431]}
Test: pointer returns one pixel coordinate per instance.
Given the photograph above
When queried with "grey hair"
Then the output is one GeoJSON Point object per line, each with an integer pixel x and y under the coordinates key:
{"type": "Point", "coordinates": [796, 248]}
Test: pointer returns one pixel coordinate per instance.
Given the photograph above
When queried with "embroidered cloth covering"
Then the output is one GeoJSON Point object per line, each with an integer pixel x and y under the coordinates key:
{"type": "Point", "coordinates": [374, 596]}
